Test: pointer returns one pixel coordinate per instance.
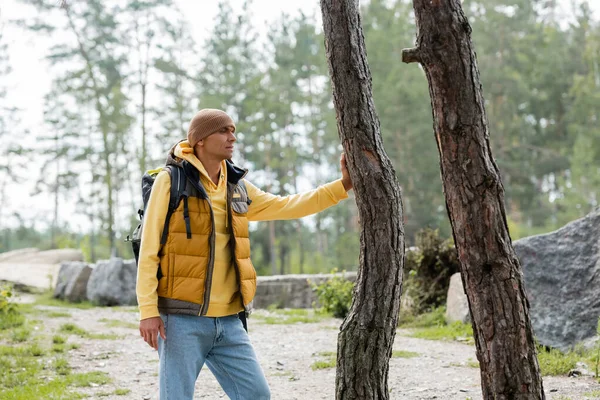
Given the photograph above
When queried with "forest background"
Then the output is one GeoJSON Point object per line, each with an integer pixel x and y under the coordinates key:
{"type": "Point", "coordinates": [127, 76]}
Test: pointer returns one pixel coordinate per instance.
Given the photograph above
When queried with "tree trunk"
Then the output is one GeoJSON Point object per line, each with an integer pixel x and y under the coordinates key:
{"type": "Point", "coordinates": [367, 334]}
{"type": "Point", "coordinates": [475, 202]}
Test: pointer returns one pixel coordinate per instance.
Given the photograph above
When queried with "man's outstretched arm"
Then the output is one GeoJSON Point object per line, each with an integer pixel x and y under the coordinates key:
{"type": "Point", "coordinates": [266, 206]}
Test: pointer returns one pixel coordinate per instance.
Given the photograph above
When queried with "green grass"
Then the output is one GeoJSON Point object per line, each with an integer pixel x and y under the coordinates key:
{"type": "Point", "coordinates": [323, 364]}
{"type": "Point", "coordinates": [103, 336]}
{"type": "Point", "coordinates": [11, 320]}
{"type": "Point", "coordinates": [33, 367]}
{"type": "Point", "coordinates": [554, 362]}
{"type": "Point", "coordinates": [433, 318]}
{"type": "Point", "coordinates": [73, 329]}
{"type": "Point", "coordinates": [61, 387]}
{"type": "Point", "coordinates": [122, 392]}
{"type": "Point", "coordinates": [327, 354]}
{"type": "Point", "coordinates": [455, 331]}
{"type": "Point", "coordinates": [593, 394]}
{"type": "Point", "coordinates": [61, 366]}
{"type": "Point", "coordinates": [470, 364]}
{"type": "Point", "coordinates": [58, 339]}
{"type": "Point", "coordinates": [328, 362]}
{"type": "Point", "coordinates": [291, 316]}
{"type": "Point", "coordinates": [114, 323]}
{"type": "Point", "coordinates": [404, 354]}
{"type": "Point", "coordinates": [47, 299]}
{"type": "Point", "coordinates": [288, 374]}
{"type": "Point", "coordinates": [433, 326]}
{"type": "Point", "coordinates": [58, 314]}
{"type": "Point", "coordinates": [21, 334]}
{"type": "Point", "coordinates": [89, 379]}
{"type": "Point", "coordinates": [58, 348]}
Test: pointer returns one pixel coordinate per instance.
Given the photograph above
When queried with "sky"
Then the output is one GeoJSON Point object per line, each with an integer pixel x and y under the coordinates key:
{"type": "Point", "coordinates": [31, 78]}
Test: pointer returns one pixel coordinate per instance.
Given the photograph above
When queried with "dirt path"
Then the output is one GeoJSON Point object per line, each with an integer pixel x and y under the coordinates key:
{"type": "Point", "coordinates": [441, 370]}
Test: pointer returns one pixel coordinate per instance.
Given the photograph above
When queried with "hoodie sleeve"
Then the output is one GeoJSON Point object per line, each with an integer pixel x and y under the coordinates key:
{"type": "Point", "coordinates": [154, 220]}
{"type": "Point", "coordinates": [266, 206]}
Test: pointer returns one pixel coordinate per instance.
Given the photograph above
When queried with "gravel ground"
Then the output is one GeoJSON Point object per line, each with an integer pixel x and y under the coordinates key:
{"type": "Point", "coordinates": [441, 370]}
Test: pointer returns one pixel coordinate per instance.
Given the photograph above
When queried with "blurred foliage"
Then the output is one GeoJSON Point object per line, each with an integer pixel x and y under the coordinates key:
{"type": "Point", "coordinates": [120, 98]}
{"type": "Point", "coordinates": [427, 270]}
{"type": "Point", "coordinates": [334, 295]}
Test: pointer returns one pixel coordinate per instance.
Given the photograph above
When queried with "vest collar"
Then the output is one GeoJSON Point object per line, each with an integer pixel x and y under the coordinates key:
{"type": "Point", "coordinates": [234, 173]}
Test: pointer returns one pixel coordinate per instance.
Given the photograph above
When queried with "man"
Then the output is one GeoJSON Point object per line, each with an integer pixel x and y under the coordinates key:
{"type": "Point", "coordinates": [191, 289]}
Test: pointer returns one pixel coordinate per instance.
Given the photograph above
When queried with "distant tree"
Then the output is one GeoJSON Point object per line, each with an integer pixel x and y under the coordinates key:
{"type": "Point", "coordinates": [91, 65]}
{"type": "Point", "coordinates": [11, 162]}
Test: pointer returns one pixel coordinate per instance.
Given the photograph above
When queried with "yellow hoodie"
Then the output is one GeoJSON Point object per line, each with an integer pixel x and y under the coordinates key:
{"type": "Point", "coordinates": [224, 293]}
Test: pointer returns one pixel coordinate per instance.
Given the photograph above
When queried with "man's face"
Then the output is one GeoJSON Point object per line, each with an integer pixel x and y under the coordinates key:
{"type": "Point", "coordinates": [220, 144]}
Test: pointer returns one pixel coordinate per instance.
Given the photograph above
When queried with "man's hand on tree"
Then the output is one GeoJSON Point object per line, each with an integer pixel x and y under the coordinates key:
{"type": "Point", "coordinates": [346, 181]}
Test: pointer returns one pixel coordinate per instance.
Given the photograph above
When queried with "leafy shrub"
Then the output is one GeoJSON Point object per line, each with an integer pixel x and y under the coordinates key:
{"type": "Point", "coordinates": [9, 314]}
{"type": "Point", "coordinates": [427, 270]}
{"type": "Point", "coordinates": [554, 362]}
{"type": "Point", "coordinates": [335, 294]}
{"type": "Point", "coordinates": [6, 306]}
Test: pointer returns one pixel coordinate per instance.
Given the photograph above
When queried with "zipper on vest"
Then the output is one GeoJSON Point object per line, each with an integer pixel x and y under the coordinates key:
{"type": "Point", "coordinates": [211, 264]}
{"type": "Point", "coordinates": [232, 241]}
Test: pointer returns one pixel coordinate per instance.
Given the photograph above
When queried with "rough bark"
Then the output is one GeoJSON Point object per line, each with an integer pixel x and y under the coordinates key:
{"type": "Point", "coordinates": [367, 334]}
{"type": "Point", "coordinates": [474, 194]}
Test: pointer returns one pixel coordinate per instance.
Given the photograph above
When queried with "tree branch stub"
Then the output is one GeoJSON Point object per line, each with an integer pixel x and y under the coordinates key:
{"type": "Point", "coordinates": [411, 55]}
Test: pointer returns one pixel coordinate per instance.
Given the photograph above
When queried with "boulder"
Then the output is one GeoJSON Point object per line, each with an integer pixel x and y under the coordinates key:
{"type": "Point", "coordinates": [65, 273]}
{"type": "Point", "coordinates": [562, 281]}
{"type": "Point", "coordinates": [29, 277]}
{"type": "Point", "coordinates": [112, 283]}
{"type": "Point", "coordinates": [17, 254]}
{"type": "Point", "coordinates": [457, 305]}
{"type": "Point", "coordinates": [35, 256]}
{"type": "Point", "coordinates": [290, 291]}
{"type": "Point", "coordinates": [33, 269]}
{"type": "Point", "coordinates": [72, 281]}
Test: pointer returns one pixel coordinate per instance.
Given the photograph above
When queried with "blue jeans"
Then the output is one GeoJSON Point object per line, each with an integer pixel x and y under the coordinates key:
{"type": "Point", "coordinates": [220, 342]}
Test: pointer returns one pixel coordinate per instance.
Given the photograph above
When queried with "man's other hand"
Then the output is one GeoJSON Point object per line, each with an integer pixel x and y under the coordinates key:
{"type": "Point", "coordinates": [346, 181]}
{"type": "Point", "coordinates": [149, 330]}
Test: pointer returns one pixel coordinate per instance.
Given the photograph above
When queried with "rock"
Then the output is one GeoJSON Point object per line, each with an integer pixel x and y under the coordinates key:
{"type": "Point", "coordinates": [66, 273]}
{"type": "Point", "coordinates": [29, 277]}
{"type": "Point", "coordinates": [56, 256]}
{"type": "Point", "coordinates": [112, 283]}
{"type": "Point", "coordinates": [17, 254]}
{"type": "Point", "coordinates": [562, 280]}
{"type": "Point", "coordinates": [35, 256]}
{"type": "Point", "coordinates": [33, 269]}
{"type": "Point", "coordinates": [76, 290]}
{"type": "Point", "coordinates": [457, 305]}
{"type": "Point", "coordinates": [591, 343]}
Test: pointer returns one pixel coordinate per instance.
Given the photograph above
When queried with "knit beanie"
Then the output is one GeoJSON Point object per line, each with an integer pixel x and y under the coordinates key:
{"type": "Point", "coordinates": [207, 122]}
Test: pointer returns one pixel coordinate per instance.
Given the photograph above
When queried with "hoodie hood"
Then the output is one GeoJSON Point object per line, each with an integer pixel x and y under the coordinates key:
{"type": "Point", "coordinates": [182, 153]}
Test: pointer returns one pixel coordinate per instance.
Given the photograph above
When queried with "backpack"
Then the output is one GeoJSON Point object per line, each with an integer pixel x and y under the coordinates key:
{"type": "Point", "coordinates": [178, 182]}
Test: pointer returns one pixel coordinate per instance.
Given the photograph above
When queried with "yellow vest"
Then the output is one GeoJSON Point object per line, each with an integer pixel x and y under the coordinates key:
{"type": "Point", "coordinates": [186, 264]}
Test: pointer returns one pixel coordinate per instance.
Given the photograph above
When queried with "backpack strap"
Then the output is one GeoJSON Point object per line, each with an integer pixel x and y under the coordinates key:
{"type": "Point", "coordinates": [178, 182]}
{"type": "Point", "coordinates": [186, 216]}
